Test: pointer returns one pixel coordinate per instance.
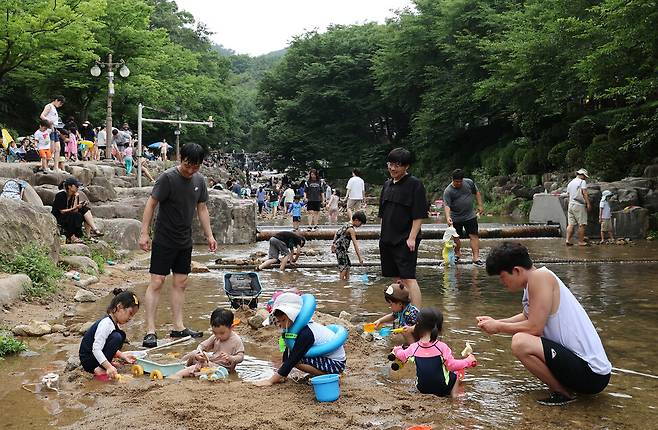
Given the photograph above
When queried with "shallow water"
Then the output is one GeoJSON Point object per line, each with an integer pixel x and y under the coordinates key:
{"type": "Point", "coordinates": [621, 299]}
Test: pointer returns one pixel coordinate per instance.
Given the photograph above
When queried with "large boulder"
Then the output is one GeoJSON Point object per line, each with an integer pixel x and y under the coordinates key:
{"type": "Point", "coordinates": [104, 211]}
{"type": "Point", "coordinates": [22, 223]}
{"type": "Point", "coordinates": [232, 220]}
{"type": "Point", "coordinates": [102, 181]}
{"type": "Point", "coordinates": [123, 232]}
{"type": "Point", "coordinates": [46, 193]}
{"type": "Point", "coordinates": [650, 201]}
{"type": "Point", "coordinates": [30, 195]}
{"type": "Point", "coordinates": [75, 249]}
{"type": "Point", "coordinates": [18, 170]}
{"type": "Point", "coordinates": [12, 287]}
{"type": "Point", "coordinates": [632, 223]}
{"type": "Point", "coordinates": [96, 193]}
{"type": "Point", "coordinates": [80, 263]}
{"type": "Point", "coordinates": [34, 328]}
{"type": "Point", "coordinates": [651, 171]}
{"type": "Point", "coordinates": [82, 174]}
{"type": "Point", "coordinates": [51, 178]}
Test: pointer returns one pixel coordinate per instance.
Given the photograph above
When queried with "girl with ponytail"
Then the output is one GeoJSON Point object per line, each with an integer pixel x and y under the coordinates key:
{"type": "Point", "coordinates": [435, 365]}
{"type": "Point", "coordinates": [103, 341]}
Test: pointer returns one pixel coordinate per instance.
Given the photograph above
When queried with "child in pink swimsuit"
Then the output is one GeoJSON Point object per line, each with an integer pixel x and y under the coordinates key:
{"type": "Point", "coordinates": [435, 365]}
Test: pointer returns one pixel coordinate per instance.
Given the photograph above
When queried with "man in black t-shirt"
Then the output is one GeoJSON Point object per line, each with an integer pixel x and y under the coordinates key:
{"type": "Point", "coordinates": [283, 244]}
{"type": "Point", "coordinates": [402, 207]}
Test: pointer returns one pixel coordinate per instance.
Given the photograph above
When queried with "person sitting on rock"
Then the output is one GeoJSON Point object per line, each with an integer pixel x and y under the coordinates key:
{"type": "Point", "coordinates": [71, 213]}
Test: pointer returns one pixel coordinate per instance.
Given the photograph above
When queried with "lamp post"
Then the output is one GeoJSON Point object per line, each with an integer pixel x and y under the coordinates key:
{"type": "Point", "coordinates": [95, 71]}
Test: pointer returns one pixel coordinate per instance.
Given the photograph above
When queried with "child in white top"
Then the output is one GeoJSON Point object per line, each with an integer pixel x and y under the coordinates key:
{"type": "Point", "coordinates": [605, 216]}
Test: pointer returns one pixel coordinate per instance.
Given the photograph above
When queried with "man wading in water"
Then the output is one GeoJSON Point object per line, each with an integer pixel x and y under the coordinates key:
{"type": "Point", "coordinates": [179, 191]}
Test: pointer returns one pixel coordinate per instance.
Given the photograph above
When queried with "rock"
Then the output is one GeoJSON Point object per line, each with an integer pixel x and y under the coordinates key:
{"type": "Point", "coordinates": [123, 232]}
{"type": "Point", "coordinates": [119, 182]}
{"type": "Point", "coordinates": [100, 194]}
{"type": "Point", "coordinates": [51, 178]}
{"type": "Point", "coordinates": [46, 193]}
{"type": "Point", "coordinates": [84, 296]}
{"type": "Point", "coordinates": [627, 197]}
{"type": "Point", "coordinates": [345, 316]}
{"type": "Point", "coordinates": [72, 363]}
{"type": "Point", "coordinates": [104, 211]}
{"type": "Point", "coordinates": [102, 181]}
{"type": "Point", "coordinates": [69, 313]}
{"type": "Point", "coordinates": [650, 201]}
{"type": "Point", "coordinates": [75, 249]}
{"type": "Point", "coordinates": [133, 209]}
{"type": "Point", "coordinates": [256, 322]}
{"type": "Point", "coordinates": [631, 223]}
{"type": "Point", "coordinates": [199, 268]}
{"type": "Point", "coordinates": [29, 195]}
{"type": "Point", "coordinates": [81, 264]}
{"type": "Point", "coordinates": [232, 220]}
{"type": "Point", "coordinates": [85, 281]}
{"type": "Point", "coordinates": [58, 328]}
{"type": "Point", "coordinates": [105, 170]}
{"type": "Point", "coordinates": [34, 328]}
{"type": "Point", "coordinates": [651, 171]}
{"type": "Point", "coordinates": [17, 171]}
{"type": "Point", "coordinates": [22, 223]}
{"type": "Point", "coordinates": [103, 248]}
{"type": "Point", "coordinates": [368, 337]}
{"type": "Point", "coordinates": [82, 174]}
{"type": "Point", "coordinates": [12, 287]}
{"type": "Point", "coordinates": [86, 326]}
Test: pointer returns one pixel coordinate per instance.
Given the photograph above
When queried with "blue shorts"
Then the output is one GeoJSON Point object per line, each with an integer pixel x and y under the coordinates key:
{"type": "Point", "coordinates": [324, 364]}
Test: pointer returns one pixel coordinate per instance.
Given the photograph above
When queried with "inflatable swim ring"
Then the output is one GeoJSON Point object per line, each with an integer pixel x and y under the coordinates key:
{"type": "Point", "coordinates": [308, 308]}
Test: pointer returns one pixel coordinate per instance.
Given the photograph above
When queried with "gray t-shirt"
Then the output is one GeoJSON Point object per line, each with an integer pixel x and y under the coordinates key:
{"type": "Point", "coordinates": [178, 198]}
{"type": "Point", "coordinates": [460, 200]}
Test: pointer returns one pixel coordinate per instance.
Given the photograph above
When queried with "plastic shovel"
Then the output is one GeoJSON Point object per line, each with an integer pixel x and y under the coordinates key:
{"type": "Point", "coordinates": [383, 332]}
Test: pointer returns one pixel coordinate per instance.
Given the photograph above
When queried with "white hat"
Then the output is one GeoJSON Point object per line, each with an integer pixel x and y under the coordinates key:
{"type": "Point", "coordinates": [583, 172]}
{"type": "Point", "coordinates": [449, 234]}
{"type": "Point", "coordinates": [605, 194]}
{"type": "Point", "coordinates": [288, 303]}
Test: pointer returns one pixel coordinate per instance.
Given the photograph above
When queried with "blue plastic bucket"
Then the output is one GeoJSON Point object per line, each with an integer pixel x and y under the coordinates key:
{"type": "Point", "coordinates": [326, 387]}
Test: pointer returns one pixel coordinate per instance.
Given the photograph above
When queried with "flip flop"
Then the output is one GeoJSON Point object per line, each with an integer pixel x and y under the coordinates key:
{"type": "Point", "coordinates": [97, 233]}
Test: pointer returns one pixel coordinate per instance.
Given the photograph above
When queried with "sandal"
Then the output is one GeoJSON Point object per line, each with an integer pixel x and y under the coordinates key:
{"type": "Point", "coordinates": [74, 239]}
{"type": "Point", "coordinates": [97, 233]}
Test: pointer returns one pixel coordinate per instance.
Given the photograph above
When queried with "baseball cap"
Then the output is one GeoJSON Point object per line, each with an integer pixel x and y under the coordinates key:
{"type": "Point", "coordinates": [72, 181]}
{"type": "Point", "coordinates": [583, 172]}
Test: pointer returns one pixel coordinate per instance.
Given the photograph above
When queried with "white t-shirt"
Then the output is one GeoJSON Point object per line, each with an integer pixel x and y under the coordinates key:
{"type": "Point", "coordinates": [288, 195]}
{"type": "Point", "coordinates": [43, 138]}
{"type": "Point", "coordinates": [355, 188]}
{"type": "Point", "coordinates": [100, 138]}
{"type": "Point", "coordinates": [575, 195]}
{"type": "Point", "coordinates": [606, 213]}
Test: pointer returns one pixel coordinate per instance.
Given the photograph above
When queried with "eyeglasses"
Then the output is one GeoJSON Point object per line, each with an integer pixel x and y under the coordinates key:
{"type": "Point", "coordinates": [393, 164]}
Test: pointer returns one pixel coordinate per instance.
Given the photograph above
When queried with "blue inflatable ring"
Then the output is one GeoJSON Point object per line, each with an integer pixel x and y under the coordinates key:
{"type": "Point", "coordinates": [308, 308]}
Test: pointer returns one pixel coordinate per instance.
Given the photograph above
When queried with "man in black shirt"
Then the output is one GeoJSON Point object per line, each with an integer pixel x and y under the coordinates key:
{"type": "Point", "coordinates": [283, 244]}
{"type": "Point", "coordinates": [402, 207]}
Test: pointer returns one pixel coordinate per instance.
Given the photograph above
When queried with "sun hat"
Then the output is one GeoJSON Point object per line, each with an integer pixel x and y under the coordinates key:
{"type": "Point", "coordinates": [583, 172]}
{"type": "Point", "coordinates": [450, 233]}
{"type": "Point", "coordinates": [605, 194]}
{"type": "Point", "coordinates": [288, 303]}
{"type": "Point", "coordinates": [397, 292]}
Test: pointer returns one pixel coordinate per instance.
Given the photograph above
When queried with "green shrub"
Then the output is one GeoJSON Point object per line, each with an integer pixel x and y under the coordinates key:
{"type": "Point", "coordinates": [605, 159]}
{"type": "Point", "coordinates": [558, 154]}
{"type": "Point", "coordinates": [574, 158]}
{"type": "Point", "coordinates": [582, 132]}
{"type": "Point", "coordinates": [34, 261]}
{"type": "Point", "coordinates": [10, 345]}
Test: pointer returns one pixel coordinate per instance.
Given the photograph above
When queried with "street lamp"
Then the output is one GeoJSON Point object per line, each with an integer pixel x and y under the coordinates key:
{"type": "Point", "coordinates": [124, 72]}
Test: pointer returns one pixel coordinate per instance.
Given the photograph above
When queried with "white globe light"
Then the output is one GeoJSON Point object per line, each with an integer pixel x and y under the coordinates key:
{"type": "Point", "coordinates": [95, 71]}
{"type": "Point", "coordinates": [124, 71]}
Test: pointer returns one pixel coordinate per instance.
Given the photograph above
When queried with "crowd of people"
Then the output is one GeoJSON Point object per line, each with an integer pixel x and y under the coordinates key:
{"type": "Point", "coordinates": [552, 336]}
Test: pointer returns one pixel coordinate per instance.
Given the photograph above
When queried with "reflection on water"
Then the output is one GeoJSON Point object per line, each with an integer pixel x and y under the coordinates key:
{"type": "Point", "coordinates": [621, 299]}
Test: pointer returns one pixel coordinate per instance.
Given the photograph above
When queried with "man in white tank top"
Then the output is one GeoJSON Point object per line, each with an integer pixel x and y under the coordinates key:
{"type": "Point", "coordinates": [553, 337]}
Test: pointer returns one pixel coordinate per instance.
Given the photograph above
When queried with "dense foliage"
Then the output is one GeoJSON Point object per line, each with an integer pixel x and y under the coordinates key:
{"type": "Point", "coordinates": [47, 47]}
{"type": "Point", "coordinates": [34, 261]}
{"type": "Point", "coordinates": [506, 85]}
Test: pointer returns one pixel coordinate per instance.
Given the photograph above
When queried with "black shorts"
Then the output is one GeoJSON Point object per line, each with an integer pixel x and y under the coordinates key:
{"type": "Point", "coordinates": [397, 261]}
{"type": "Point", "coordinates": [470, 226]}
{"type": "Point", "coordinates": [296, 218]}
{"type": "Point", "coordinates": [572, 371]}
{"type": "Point", "coordinates": [313, 206]}
{"type": "Point", "coordinates": [165, 260]}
